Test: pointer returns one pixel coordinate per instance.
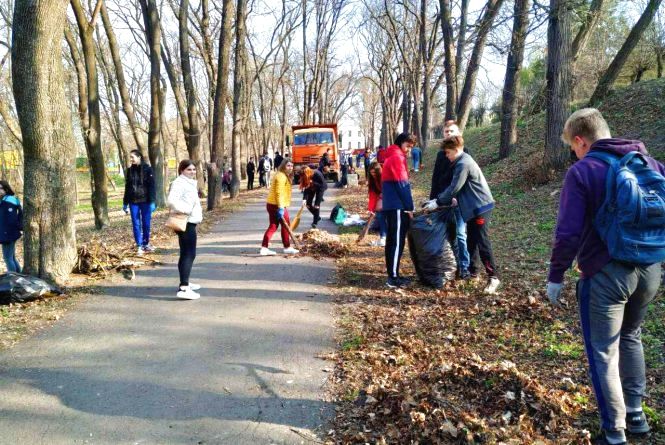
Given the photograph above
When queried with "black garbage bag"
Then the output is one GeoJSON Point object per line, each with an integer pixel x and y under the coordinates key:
{"type": "Point", "coordinates": [19, 288]}
{"type": "Point", "coordinates": [430, 251]}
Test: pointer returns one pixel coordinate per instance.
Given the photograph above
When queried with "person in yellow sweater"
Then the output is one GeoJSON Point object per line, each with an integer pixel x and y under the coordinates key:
{"type": "Point", "coordinates": [279, 199]}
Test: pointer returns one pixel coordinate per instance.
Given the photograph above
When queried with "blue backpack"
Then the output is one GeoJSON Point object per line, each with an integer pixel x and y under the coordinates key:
{"type": "Point", "coordinates": [631, 220]}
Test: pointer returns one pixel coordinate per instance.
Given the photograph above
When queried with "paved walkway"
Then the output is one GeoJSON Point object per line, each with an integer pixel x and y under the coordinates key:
{"type": "Point", "coordinates": [134, 365]}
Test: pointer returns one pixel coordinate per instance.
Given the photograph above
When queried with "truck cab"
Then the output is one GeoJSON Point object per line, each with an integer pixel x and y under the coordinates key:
{"type": "Point", "coordinates": [310, 143]}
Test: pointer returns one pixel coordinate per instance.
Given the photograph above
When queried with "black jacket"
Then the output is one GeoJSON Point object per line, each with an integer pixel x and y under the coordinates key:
{"type": "Point", "coordinates": [251, 168]}
{"type": "Point", "coordinates": [278, 160]}
{"type": "Point", "coordinates": [442, 175]}
{"type": "Point", "coordinates": [139, 184]}
{"type": "Point", "coordinates": [11, 219]}
{"type": "Point", "coordinates": [317, 188]}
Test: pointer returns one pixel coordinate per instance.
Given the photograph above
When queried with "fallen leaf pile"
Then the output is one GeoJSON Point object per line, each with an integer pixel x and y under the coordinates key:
{"type": "Point", "coordinates": [318, 243]}
{"type": "Point", "coordinates": [456, 366]}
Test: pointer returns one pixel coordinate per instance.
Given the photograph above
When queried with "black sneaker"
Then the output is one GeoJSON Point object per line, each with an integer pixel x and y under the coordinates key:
{"type": "Point", "coordinates": [404, 281]}
{"type": "Point", "coordinates": [636, 423]}
{"type": "Point", "coordinates": [602, 440]}
{"type": "Point", "coordinates": [393, 283]}
{"type": "Point", "coordinates": [313, 225]}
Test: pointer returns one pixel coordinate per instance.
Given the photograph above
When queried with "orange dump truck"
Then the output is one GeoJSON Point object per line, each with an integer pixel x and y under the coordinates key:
{"type": "Point", "coordinates": [310, 142]}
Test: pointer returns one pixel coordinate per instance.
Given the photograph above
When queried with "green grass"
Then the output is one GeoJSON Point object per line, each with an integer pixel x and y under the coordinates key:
{"type": "Point", "coordinates": [114, 203]}
{"type": "Point", "coordinates": [353, 343]}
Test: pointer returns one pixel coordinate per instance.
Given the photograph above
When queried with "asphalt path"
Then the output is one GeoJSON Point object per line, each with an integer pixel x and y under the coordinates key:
{"type": "Point", "coordinates": [135, 365]}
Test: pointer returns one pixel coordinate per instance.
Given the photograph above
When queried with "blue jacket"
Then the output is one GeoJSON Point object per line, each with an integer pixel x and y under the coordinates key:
{"type": "Point", "coordinates": [11, 219]}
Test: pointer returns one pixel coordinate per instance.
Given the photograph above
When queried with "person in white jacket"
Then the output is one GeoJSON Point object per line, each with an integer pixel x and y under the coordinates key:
{"type": "Point", "coordinates": [184, 198]}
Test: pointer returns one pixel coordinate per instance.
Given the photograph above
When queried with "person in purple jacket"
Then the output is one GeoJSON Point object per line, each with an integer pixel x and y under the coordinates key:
{"type": "Point", "coordinates": [613, 296]}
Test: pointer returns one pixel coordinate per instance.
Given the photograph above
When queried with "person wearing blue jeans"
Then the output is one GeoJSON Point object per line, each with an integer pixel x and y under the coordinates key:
{"type": "Point", "coordinates": [613, 295]}
{"type": "Point", "coordinates": [139, 199]}
{"type": "Point", "coordinates": [460, 247]}
{"type": "Point", "coordinates": [416, 155]}
{"type": "Point", "coordinates": [11, 225]}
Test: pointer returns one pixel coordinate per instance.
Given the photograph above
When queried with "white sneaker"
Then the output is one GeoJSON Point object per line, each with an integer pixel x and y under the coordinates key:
{"type": "Point", "coordinates": [266, 252]}
{"type": "Point", "coordinates": [290, 251]}
{"type": "Point", "coordinates": [492, 285]}
{"type": "Point", "coordinates": [194, 286]}
{"type": "Point", "coordinates": [186, 293]}
{"type": "Point", "coordinates": [382, 242]}
{"type": "Point", "coordinates": [140, 251]}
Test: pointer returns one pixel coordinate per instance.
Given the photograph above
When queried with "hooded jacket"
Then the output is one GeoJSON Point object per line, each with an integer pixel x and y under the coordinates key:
{"type": "Point", "coordinates": [395, 184]}
{"type": "Point", "coordinates": [139, 184]}
{"type": "Point", "coordinates": [469, 187]}
{"type": "Point", "coordinates": [11, 219]}
{"type": "Point", "coordinates": [582, 195]}
{"type": "Point", "coordinates": [184, 198]}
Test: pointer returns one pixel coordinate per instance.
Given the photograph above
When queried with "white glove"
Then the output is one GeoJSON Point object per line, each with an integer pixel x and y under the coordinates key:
{"type": "Point", "coordinates": [554, 292]}
{"type": "Point", "coordinates": [453, 203]}
{"type": "Point", "coordinates": [431, 205]}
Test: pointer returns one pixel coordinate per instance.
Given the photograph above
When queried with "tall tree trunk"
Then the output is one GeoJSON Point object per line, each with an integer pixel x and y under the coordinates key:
{"type": "Point", "coordinates": [406, 111]}
{"type": "Point", "coordinates": [38, 84]}
{"type": "Point", "coordinates": [464, 108]}
{"type": "Point", "coordinates": [127, 106]}
{"type": "Point", "coordinates": [461, 46]}
{"type": "Point", "coordinates": [660, 53]}
{"type": "Point", "coordinates": [558, 92]}
{"type": "Point", "coordinates": [239, 90]}
{"type": "Point", "coordinates": [512, 80]}
{"type": "Point", "coordinates": [612, 72]}
{"type": "Point", "coordinates": [93, 132]}
{"type": "Point", "coordinates": [449, 59]}
{"type": "Point", "coordinates": [153, 37]}
{"type": "Point", "coordinates": [589, 23]}
{"type": "Point", "coordinates": [221, 93]}
{"type": "Point", "coordinates": [193, 136]}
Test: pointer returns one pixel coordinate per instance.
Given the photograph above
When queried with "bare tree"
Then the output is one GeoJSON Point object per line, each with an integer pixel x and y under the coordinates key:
{"type": "Point", "coordinates": [153, 37]}
{"type": "Point", "coordinates": [38, 85]}
{"type": "Point", "coordinates": [193, 131]}
{"type": "Point", "coordinates": [221, 93]}
{"type": "Point", "coordinates": [92, 126]}
{"type": "Point", "coordinates": [559, 41]}
{"type": "Point", "coordinates": [613, 71]}
{"type": "Point", "coordinates": [240, 91]}
{"type": "Point", "coordinates": [127, 106]}
{"type": "Point", "coordinates": [511, 83]}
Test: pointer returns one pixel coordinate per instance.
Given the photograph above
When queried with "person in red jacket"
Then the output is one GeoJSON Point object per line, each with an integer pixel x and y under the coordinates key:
{"type": "Point", "coordinates": [397, 204]}
{"type": "Point", "coordinates": [374, 203]}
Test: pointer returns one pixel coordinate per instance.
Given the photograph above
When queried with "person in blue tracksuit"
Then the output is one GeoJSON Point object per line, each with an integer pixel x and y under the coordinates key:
{"type": "Point", "coordinates": [11, 225]}
{"type": "Point", "coordinates": [397, 205]}
{"type": "Point", "coordinates": [140, 199]}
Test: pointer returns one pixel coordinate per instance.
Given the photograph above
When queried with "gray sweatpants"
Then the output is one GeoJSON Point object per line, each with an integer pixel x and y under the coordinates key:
{"type": "Point", "coordinates": [612, 305]}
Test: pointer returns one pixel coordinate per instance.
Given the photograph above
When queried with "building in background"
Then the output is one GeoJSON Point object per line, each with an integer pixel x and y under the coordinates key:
{"type": "Point", "coordinates": [352, 135]}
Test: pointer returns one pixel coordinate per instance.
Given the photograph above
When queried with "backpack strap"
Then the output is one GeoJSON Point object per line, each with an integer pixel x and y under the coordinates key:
{"type": "Point", "coordinates": [613, 162]}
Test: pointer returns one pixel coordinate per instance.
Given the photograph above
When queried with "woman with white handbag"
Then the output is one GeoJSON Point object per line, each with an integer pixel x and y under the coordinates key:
{"type": "Point", "coordinates": [186, 213]}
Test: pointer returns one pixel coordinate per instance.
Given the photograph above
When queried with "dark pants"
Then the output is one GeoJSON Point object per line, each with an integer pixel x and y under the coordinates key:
{"type": "Point", "coordinates": [187, 241]}
{"type": "Point", "coordinates": [250, 181]}
{"type": "Point", "coordinates": [478, 238]}
{"type": "Point", "coordinates": [397, 222]}
{"type": "Point", "coordinates": [313, 200]}
{"type": "Point", "coordinates": [272, 227]}
{"type": "Point", "coordinates": [262, 179]}
{"type": "Point", "coordinates": [141, 217]}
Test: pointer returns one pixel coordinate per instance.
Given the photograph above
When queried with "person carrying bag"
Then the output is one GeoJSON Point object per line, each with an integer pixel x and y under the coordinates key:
{"type": "Point", "coordinates": [186, 214]}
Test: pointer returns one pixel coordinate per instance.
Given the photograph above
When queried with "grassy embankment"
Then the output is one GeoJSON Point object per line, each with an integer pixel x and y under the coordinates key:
{"type": "Point", "coordinates": [457, 366]}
